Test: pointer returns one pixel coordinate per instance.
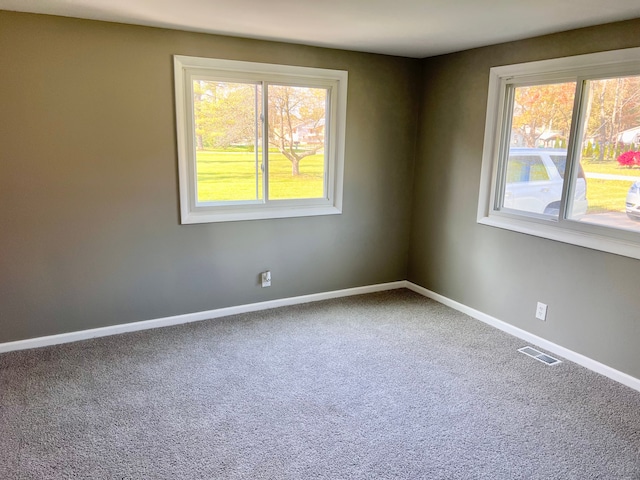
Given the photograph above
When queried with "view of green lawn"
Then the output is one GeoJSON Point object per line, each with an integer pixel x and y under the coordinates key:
{"type": "Point", "coordinates": [606, 195]}
{"type": "Point", "coordinates": [230, 175]}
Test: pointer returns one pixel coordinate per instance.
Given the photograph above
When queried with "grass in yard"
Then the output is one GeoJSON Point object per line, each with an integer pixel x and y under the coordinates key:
{"type": "Point", "coordinates": [608, 195]}
{"type": "Point", "coordinates": [231, 176]}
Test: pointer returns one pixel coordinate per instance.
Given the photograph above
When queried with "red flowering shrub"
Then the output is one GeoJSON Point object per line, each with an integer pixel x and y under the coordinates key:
{"type": "Point", "coordinates": [629, 159]}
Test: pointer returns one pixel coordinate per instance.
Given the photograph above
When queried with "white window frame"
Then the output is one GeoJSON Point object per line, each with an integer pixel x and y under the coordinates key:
{"type": "Point", "coordinates": [578, 68]}
{"type": "Point", "coordinates": [335, 81]}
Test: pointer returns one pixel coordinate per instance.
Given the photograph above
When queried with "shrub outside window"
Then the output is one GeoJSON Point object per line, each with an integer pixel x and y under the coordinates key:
{"type": "Point", "coordinates": [258, 140]}
{"type": "Point", "coordinates": [561, 141]}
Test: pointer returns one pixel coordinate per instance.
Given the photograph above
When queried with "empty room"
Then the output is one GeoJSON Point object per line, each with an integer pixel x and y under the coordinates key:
{"type": "Point", "coordinates": [329, 240]}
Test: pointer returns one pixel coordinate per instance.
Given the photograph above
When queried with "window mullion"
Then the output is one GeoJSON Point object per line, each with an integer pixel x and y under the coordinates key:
{"type": "Point", "coordinates": [265, 141]}
{"type": "Point", "coordinates": [503, 148]}
{"type": "Point", "coordinates": [257, 127]}
{"type": "Point", "coordinates": [574, 147]}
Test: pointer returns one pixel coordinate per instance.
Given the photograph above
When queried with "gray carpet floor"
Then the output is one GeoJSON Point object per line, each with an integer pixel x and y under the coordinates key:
{"type": "Point", "coordinates": [387, 385]}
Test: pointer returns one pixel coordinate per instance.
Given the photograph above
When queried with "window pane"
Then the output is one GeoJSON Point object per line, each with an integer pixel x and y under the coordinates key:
{"type": "Point", "coordinates": [297, 121]}
{"type": "Point", "coordinates": [610, 153]}
{"type": "Point", "coordinates": [540, 124]}
{"type": "Point", "coordinates": [227, 141]}
{"type": "Point", "coordinates": [542, 115]}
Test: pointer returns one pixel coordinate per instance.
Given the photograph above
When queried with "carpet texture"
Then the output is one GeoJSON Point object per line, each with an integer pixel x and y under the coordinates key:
{"type": "Point", "coordinates": [387, 385]}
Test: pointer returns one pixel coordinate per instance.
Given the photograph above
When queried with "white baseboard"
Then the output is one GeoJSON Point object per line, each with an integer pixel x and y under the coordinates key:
{"type": "Point", "coordinates": [575, 357]}
{"type": "Point", "coordinates": [191, 317]}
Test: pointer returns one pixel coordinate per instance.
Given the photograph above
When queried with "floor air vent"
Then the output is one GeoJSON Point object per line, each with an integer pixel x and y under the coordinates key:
{"type": "Point", "coordinates": [543, 357]}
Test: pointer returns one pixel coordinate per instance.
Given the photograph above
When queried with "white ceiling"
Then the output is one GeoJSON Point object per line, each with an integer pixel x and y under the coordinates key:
{"type": "Point", "coordinates": [412, 28]}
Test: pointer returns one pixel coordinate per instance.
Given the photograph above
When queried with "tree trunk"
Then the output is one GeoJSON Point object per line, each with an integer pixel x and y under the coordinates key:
{"type": "Point", "coordinates": [615, 124]}
{"type": "Point", "coordinates": [602, 134]}
{"type": "Point", "coordinates": [295, 167]}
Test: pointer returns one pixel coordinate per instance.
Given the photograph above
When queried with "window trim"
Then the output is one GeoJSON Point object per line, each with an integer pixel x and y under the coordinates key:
{"type": "Point", "coordinates": [576, 68]}
{"type": "Point", "coordinates": [334, 80]}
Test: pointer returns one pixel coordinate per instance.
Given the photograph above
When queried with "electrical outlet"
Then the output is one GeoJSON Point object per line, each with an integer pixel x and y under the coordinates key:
{"type": "Point", "coordinates": [265, 277]}
{"type": "Point", "coordinates": [541, 311]}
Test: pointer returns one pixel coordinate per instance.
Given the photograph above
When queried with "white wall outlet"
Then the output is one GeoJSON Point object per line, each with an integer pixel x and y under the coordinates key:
{"type": "Point", "coordinates": [265, 277]}
{"type": "Point", "coordinates": [541, 311]}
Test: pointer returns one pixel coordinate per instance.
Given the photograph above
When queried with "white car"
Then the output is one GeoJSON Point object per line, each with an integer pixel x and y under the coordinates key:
{"type": "Point", "coordinates": [633, 201]}
{"type": "Point", "coordinates": [534, 182]}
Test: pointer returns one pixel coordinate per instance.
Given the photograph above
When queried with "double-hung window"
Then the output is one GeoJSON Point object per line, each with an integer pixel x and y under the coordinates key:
{"type": "Point", "coordinates": [561, 155]}
{"type": "Point", "coordinates": [258, 140]}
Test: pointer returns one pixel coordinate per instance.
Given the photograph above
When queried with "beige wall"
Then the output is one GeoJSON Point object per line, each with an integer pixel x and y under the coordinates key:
{"type": "Point", "coordinates": [88, 182]}
{"type": "Point", "coordinates": [594, 306]}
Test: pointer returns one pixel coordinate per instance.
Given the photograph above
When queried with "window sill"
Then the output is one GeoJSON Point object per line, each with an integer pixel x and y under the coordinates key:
{"type": "Point", "coordinates": [553, 231]}
{"type": "Point", "coordinates": [225, 214]}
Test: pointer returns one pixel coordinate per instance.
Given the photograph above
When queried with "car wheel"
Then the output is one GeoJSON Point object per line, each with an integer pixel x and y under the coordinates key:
{"type": "Point", "coordinates": [553, 209]}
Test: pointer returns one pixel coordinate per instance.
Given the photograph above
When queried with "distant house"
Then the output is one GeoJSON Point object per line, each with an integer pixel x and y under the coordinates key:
{"type": "Point", "coordinates": [546, 139]}
{"type": "Point", "coordinates": [549, 138]}
{"type": "Point", "coordinates": [630, 136]}
{"type": "Point", "coordinates": [309, 132]}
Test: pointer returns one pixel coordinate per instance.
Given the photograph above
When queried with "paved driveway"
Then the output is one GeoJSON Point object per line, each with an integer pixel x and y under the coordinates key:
{"type": "Point", "coordinates": [612, 219]}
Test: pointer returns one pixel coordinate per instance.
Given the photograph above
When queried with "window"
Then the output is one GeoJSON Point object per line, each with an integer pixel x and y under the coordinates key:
{"type": "Point", "coordinates": [258, 140]}
{"type": "Point", "coordinates": [561, 153]}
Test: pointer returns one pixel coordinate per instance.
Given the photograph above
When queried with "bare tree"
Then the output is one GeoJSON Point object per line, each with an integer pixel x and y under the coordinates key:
{"type": "Point", "coordinates": [296, 122]}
